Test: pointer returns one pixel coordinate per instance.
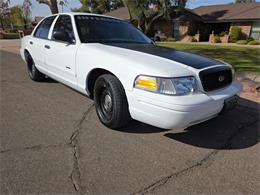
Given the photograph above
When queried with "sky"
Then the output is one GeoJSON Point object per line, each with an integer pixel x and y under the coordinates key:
{"type": "Point", "coordinates": [43, 10]}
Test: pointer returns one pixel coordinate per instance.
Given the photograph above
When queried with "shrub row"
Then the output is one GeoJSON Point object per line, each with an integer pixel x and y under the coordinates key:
{"type": "Point", "coordinates": [4, 35]}
{"type": "Point", "coordinates": [249, 42]}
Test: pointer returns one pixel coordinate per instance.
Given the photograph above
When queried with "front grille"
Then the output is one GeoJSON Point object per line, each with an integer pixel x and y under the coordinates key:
{"type": "Point", "coordinates": [215, 78]}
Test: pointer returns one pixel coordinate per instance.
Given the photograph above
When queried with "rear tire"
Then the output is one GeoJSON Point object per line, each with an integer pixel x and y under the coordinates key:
{"type": "Point", "coordinates": [111, 102]}
{"type": "Point", "coordinates": [33, 72]}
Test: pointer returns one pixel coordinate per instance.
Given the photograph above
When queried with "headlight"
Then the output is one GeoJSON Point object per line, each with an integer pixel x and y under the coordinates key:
{"type": "Point", "coordinates": [168, 86]}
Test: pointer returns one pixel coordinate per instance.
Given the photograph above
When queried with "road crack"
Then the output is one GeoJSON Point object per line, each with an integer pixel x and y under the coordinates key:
{"type": "Point", "coordinates": [34, 147]}
{"type": "Point", "coordinates": [159, 183]}
{"type": "Point", "coordinates": [75, 175]}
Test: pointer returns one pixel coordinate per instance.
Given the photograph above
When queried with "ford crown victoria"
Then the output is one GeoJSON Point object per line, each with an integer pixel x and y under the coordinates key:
{"type": "Point", "coordinates": [126, 74]}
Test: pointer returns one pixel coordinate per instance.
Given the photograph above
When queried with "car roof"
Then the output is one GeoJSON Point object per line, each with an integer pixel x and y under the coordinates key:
{"type": "Point", "coordinates": [84, 14]}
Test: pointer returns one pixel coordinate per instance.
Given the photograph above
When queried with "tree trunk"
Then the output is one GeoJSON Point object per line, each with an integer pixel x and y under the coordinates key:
{"type": "Point", "coordinates": [25, 23]}
{"type": "Point", "coordinates": [54, 7]}
{"type": "Point", "coordinates": [150, 23]}
{"type": "Point", "coordinates": [2, 24]}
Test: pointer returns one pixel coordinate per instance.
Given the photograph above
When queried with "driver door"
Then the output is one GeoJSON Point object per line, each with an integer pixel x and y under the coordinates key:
{"type": "Point", "coordinates": [60, 55]}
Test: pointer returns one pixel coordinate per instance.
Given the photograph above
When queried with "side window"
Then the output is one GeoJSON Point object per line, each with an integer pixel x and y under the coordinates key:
{"type": "Point", "coordinates": [63, 24]}
{"type": "Point", "coordinates": [43, 29]}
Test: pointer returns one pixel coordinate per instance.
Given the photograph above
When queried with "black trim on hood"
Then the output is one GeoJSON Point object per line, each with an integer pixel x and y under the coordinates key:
{"type": "Point", "coordinates": [189, 59]}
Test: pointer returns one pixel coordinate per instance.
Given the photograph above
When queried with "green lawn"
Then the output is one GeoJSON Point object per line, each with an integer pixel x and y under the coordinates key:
{"type": "Point", "coordinates": [243, 59]}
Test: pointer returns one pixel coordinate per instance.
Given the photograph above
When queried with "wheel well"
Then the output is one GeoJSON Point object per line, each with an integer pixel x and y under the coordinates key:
{"type": "Point", "coordinates": [26, 54]}
{"type": "Point", "coordinates": [92, 77]}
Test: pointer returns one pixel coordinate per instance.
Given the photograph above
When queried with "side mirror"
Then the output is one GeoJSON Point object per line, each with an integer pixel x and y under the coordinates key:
{"type": "Point", "coordinates": [62, 36]}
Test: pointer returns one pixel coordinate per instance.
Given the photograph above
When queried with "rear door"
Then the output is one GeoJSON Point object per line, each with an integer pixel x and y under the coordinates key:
{"type": "Point", "coordinates": [61, 56]}
{"type": "Point", "coordinates": [38, 40]}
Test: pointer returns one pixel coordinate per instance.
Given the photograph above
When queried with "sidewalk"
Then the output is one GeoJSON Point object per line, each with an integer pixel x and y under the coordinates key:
{"type": "Point", "coordinates": [10, 45]}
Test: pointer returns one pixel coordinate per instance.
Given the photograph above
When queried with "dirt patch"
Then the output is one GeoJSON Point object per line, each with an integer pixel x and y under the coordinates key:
{"type": "Point", "coordinates": [251, 89]}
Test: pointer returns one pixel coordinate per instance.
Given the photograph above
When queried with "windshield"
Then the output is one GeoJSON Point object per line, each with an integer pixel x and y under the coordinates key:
{"type": "Point", "coordinates": [96, 29]}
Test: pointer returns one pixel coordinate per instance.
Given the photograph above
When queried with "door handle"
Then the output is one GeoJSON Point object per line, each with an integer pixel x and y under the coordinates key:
{"type": "Point", "coordinates": [47, 46]}
{"type": "Point", "coordinates": [31, 42]}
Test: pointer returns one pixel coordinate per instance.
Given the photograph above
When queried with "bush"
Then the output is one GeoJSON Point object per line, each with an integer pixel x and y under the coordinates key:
{"type": "Point", "coordinates": [171, 39]}
{"type": "Point", "coordinates": [10, 35]}
{"type": "Point", "coordinates": [217, 39]}
{"type": "Point", "coordinates": [222, 34]}
{"type": "Point", "coordinates": [193, 39]}
{"type": "Point", "coordinates": [250, 39]}
{"type": "Point", "coordinates": [242, 42]}
{"type": "Point", "coordinates": [235, 34]}
{"type": "Point", "coordinates": [163, 38]}
{"type": "Point", "coordinates": [11, 31]}
{"type": "Point", "coordinates": [254, 42]}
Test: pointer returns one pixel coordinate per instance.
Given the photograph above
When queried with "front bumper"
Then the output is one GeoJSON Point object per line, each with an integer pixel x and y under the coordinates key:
{"type": "Point", "coordinates": [178, 112]}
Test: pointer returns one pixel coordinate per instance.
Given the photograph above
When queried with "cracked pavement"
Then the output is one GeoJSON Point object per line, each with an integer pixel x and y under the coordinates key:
{"type": "Point", "coordinates": [52, 142]}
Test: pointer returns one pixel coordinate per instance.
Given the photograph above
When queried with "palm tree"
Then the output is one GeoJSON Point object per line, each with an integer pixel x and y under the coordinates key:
{"type": "Point", "coordinates": [26, 12]}
{"type": "Point", "coordinates": [62, 3]}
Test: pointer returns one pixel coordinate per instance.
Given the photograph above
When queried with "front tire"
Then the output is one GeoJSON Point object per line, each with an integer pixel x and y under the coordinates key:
{"type": "Point", "coordinates": [33, 72]}
{"type": "Point", "coordinates": [111, 102]}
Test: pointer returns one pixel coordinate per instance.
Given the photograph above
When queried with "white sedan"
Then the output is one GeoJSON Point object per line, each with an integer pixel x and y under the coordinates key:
{"type": "Point", "coordinates": [126, 74]}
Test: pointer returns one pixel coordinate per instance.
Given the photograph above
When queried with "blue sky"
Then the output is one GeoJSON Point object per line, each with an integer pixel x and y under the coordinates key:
{"type": "Point", "coordinates": [43, 10]}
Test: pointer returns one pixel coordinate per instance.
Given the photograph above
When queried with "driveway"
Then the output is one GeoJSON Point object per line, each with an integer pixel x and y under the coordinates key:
{"type": "Point", "coordinates": [52, 142]}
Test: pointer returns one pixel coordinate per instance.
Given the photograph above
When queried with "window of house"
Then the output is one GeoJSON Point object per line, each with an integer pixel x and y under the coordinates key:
{"type": "Point", "coordinates": [43, 29]}
{"type": "Point", "coordinates": [255, 31]}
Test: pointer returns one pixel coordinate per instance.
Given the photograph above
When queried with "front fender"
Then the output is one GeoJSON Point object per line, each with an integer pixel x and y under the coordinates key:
{"type": "Point", "coordinates": [88, 59]}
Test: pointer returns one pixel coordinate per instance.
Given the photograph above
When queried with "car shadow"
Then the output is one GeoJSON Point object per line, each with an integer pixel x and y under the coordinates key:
{"type": "Point", "coordinates": [140, 128]}
{"type": "Point", "coordinates": [50, 80]}
{"type": "Point", "coordinates": [236, 129]}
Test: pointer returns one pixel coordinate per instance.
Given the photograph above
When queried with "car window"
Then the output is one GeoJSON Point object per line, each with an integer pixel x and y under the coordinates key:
{"type": "Point", "coordinates": [63, 23]}
{"type": "Point", "coordinates": [102, 29]}
{"type": "Point", "coordinates": [43, 29]}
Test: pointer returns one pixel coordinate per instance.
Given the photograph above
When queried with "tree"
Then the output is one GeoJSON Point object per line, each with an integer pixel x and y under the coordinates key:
{"type": "Point", "coordinates": [4, 12]}
{"type": "Point", "coordinates": [146, 12]}
{"type": "Point", "coordinates": [244, 1]}
{"type": "Point", "coordinates": [53, 5]}
{"type": "Point", "coordinates": [98, 6]}
{"type": "Point", "coordinates": [16, 15]}
{"type": "Point", "coordinates": [62, 3]}
{"type": "Point", "coordinates": [26, 12]}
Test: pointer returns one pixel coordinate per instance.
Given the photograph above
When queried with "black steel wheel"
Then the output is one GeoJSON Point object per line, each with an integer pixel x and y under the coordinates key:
{"type": "Point", "coordinates": [33, 72]}
{"type": "Point", "coordinates": [111, 102]}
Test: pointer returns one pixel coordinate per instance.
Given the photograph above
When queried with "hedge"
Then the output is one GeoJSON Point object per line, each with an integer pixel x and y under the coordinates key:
{"type": "Point", "coordinates": [254, 42]}
{"type": "Point", "coordinates": [242, 42]}
{"type": "Point", "coordinates": [4, 35]}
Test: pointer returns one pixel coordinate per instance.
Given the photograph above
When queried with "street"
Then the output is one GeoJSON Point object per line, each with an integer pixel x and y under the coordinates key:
{"type": "Point", "coordinates": [52, 142]}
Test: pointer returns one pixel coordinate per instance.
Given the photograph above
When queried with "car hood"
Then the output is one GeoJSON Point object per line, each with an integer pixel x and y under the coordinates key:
{"type": "Point", "coordinates": [147, 59]}
{"type": "Point", "coordinates": [186, 58]}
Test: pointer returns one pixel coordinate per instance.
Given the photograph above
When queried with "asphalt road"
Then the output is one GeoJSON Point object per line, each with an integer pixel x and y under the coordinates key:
{"type": "Point", "coordinates": [52, 142]}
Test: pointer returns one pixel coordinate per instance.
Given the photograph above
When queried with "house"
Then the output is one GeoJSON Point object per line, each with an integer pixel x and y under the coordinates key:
{"type": "Point", "coordinates": [36, 20]}
{"type": "Point", "coordinates": [220, 18]}
{"type": "Point", "coordinates": [206, 20]}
